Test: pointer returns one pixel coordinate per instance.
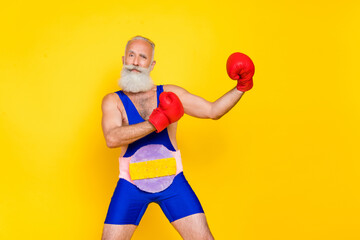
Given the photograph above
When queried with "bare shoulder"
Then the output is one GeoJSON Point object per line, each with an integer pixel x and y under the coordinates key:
{"type": "Point", "coordinates": [112, 111]}
{"type": "Point", "coordinates": [110, 99]}
{"type": "Point", "coordinates": [111, 103]}
{"type": "Point", "coordinates": [175, 89]}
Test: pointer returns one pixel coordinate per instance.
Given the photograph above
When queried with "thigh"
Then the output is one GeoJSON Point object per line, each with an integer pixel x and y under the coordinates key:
{"type": "Point", "coordinates": [127, 206]}
{"type": "Point", "coordinates": [193, 227]}
{"type": "Point", "coordinates": [118, 232]}
{"type": "Point", "coordinates": [179, 200]}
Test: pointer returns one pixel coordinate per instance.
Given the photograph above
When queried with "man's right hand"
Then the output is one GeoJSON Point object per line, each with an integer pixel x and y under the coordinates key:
{"type": "Point", "coordinates": [169, 111]}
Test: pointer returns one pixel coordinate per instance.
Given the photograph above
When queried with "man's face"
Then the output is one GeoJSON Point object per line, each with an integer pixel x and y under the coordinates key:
{"type": "Point", "coordinates": [139, 53]}
{"type": "Point", "coordinates": [135, 74]}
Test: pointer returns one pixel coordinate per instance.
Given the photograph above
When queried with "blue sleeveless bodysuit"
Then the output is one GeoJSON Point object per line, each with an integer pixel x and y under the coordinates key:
{"type": "Point", "coordinates": [134, 118]}
{"type": "Point", "coordinates": [129, 203]}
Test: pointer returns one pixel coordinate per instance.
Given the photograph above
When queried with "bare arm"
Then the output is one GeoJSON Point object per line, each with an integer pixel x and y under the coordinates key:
{"type": "Point", "coordinates": [198, 107]}
{"type": "Point", "coordinates": [115, 133]}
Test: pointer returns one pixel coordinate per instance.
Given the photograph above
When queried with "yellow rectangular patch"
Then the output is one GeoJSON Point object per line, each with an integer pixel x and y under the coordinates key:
{"type": "Point", "coordinates": [153, 168]}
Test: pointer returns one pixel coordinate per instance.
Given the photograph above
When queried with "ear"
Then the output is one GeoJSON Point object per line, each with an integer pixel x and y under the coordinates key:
{"type": "Point", "coordinates": [153, 65]}
{"type": "Point", "coordinates": [123, 60]}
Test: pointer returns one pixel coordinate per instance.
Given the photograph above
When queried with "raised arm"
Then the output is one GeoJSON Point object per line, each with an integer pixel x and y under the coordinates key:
{"type": "Point", "coordinates": [115, 133]}
{"type": "Point", "coordinates": [199, 107]}
{"type": "Point", "coordinates": [239, 67]}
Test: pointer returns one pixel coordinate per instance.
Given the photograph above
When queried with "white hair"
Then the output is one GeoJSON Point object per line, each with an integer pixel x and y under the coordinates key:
{"type": "Point", "coordinates": [138, 37]}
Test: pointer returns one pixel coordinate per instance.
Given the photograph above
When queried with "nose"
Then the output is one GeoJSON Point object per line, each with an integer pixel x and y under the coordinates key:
{"type": "Point", "coordinates": [136, 61]}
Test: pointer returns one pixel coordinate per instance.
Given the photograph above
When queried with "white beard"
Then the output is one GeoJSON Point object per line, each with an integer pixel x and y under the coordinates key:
{"type": "Point", "coordinates": [135, 81]}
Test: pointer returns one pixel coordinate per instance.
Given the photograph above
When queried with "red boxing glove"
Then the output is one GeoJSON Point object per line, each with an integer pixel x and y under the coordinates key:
{"type": "Point", "coordinates": [169, 111]}
{"type": "Point", "coordinates": [240, 67]}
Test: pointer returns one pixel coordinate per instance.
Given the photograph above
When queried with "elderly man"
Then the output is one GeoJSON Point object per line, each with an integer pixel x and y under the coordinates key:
{"type": "Point", "coordinates": [142, 120]}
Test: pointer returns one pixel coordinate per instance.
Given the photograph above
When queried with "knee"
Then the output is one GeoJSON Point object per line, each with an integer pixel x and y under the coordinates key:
{"type": "Point", "coordinates": [207, 236]}
{"type": "Point", "coordinates": [118, 232]}
{"type": "Point", "coordinates": [106, 234]}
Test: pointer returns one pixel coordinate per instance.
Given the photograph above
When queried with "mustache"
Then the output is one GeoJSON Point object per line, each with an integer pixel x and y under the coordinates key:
{"type": "Point", "coordinates": [132, 67]}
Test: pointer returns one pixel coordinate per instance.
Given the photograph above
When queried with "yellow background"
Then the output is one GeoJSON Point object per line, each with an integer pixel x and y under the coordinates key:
{"type": "Point", "coordinates": [283, 164]}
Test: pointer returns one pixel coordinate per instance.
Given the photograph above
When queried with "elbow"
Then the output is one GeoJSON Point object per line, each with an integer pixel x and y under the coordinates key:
{"type": "Point", "coordinates": [215, 116]}
{"type": "Point", "coordinates": [214, 113]}
{"type": "Point", "coordinates": [110, 143]}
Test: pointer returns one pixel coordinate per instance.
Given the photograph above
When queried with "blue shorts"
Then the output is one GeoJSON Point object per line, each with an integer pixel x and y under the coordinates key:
{"type": "Point", "coordinates": [128, 203]}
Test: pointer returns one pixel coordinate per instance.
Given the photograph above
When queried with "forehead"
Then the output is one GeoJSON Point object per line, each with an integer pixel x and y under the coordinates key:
{"type": "Point", "coordinates": [139, 46]}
